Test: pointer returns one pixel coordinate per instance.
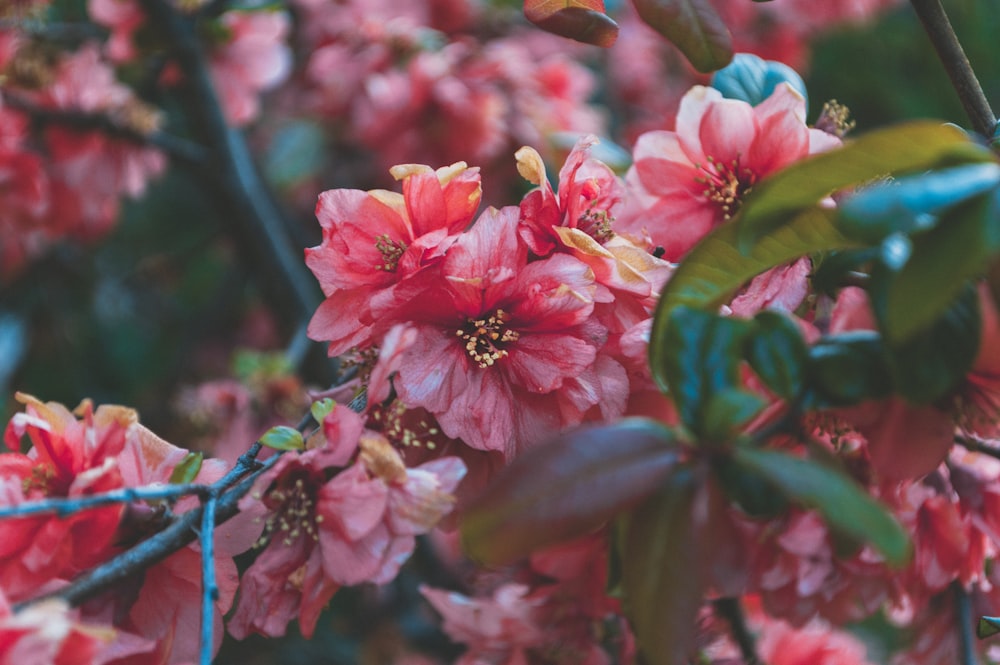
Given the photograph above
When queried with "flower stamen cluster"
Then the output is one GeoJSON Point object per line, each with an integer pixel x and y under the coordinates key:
{"type": "Point", "coordinates": [726, 185]}
{"type": "Point", "coordinates": [483, 335]}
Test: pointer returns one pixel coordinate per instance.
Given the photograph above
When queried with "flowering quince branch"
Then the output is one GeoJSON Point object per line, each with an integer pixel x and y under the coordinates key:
{"type": "Point", "coordinates": [977, 445]}
{"type": "Point", "coordinates": [730, 610]}
{"type": "Point", "coordinates": [966, 626]}
{"type": "Point", "coordinates": [179, 534]}
{"type": "Point", "coordinates": [67, 506]}
{"type": "Point", "coordinates": [182, 150]}
{"type": "Point", "coordinates": [956, 63]}
{"type": "Point", "coordinates": [209, 587]}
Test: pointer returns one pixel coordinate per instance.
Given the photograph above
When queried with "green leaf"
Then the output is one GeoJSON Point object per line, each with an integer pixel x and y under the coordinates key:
{"type": "Point", "coordinates": [777, 353]}
{"type": "Point", "coordinates": [699, 355]}
{"type": "Point", "coordinates": [567, 487]}
{"type": "Point", "coordinates": [848, 368]}
{"type": "Point", "coordinates": [941, 263]}
{"type": "Point", "coordinates": [714, 270]}
{"type": "Point", "coordinates": [694, 27]}
{"type": "Point", "coordinates": [915, 203]}
{"type": "Point", "coordinates": [909, 147]}
{"type": "Point", "coordinates": [187, 469]}
{"type": "Point", "coordinates": [727, 410]}
{"type": "Point", "coordinates": [283, 438]}
{"type": "Point", "coordinates": [751, 491]}
{"type": "Point", "coordinates": [844, 505]}
{"type": "Point", "coordinates": [931, 363]}
{"type": "Point", "coordinates": [987, 627]}
{"type": "Point", "coordinates": [320, 409]}
{"type": "Point", "coordinates": [582, 20]}
{"type": "Point", "coordinates": [662, 575]}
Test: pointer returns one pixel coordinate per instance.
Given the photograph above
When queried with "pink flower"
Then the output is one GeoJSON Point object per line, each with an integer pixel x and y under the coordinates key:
{"type": "Point", "coordinates": [252, 59]}
{"type": "Point", "coordinates": [376, 243]}
{"type": "Point", "coordinates": [688, 181]}
{"type": "Point", "coordinates": [123, 18]}
{"type": "Point", "coordinates": [49, 633]}
{"type": "Point", "coordinates": [68, 458]}
{"type": "Point", "coordinates": [373, 511]}
{"type": "Point", "coordinates": [507, 351]}
{"type": "Point", "coordinates": [816, 643]}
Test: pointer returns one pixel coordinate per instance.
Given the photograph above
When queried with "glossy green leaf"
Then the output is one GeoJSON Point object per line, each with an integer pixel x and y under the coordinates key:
{"type": "Point", "coordinates": [582, 20]}
{"type": "Point", "coordinates": [320, 409]}
{"type": "Point", "coordinates": [283, 438]}
{"type": "Point", "coordinates": [931, 363]}
{"type": "Point", "coordinates": [915, 203]}
{"type": "Point", "coordinates": [777, 353]}
{"type": "Point", "coordinates": [904, 148]}
{"type": "Point", "coordinates": [700, 353]}
{"type": "Point", "coordinates": [751, 491]}
{"type": "Point", "coordinates": [831, 269]}
{"type": "Point", "coordinates": [694, 27]}
{"type": "Point", "coordinates": [714, 270]}
{"type": "Point", "coordinates": [848, 368]}
{"type": "Point", "coordinates": [726, 411]}
{"type": "Point", "coordinates": [987, 627]}
{"type": "Point", "coordinates": [567, 487]}
{"type": "Point", "coordinates": [941, 262]}
{"type": "Point", "coordinates": [187, 469]}
{"type": "Point", "coordinates": [661, 572]}
{"type": "Point", "coordinates": [845, 506]}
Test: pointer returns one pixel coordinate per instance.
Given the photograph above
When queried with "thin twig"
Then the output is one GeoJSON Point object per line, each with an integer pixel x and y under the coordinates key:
{"type": "Point", "coordinates": [977, 445]}
{"type": "Point", "coordinates": [732, 612]}
{"type": "Point", "coordinates": [956, 63]}
{"type": "Point", "coordinates": [175, 147]}
{"type": "Point", "coordinates": [209, 588]}
{"type": "Point", "coordinates": [963, 617]}
{"type": "Point", "coordinates": [63, 506]}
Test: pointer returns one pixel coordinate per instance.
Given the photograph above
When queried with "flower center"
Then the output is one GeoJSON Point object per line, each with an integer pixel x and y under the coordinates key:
{"type": "Point", "coordinates": [294, 512]}
{"type": "Point", "coordinates": [486, 339]}
{"type": "Point", "coordinates": [726, 184]}
{"type": "Point", "coordinates": [391, 250]}
{"type": "Point", "coordinates": [596, 224]}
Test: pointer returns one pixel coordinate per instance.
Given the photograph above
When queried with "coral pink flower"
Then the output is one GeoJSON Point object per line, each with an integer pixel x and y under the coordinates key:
{"type": "Point", "coordinates": [68, 458]}
{"type": "Point", "coordinates": [253, 58]}
{"type": "Point", "coordinates": [375, 243]}
{"type": "Point", "coordinates": [508, 351]}
{"type": "Point", "coordinates": [687, 181]}
{"type": "Point", "coordinates": [123, 18]}
{"type": "Point", "coordinates": [374, 510]}
{"type": "Point", "coordinates": [816, 643]}
{"type": "Point", "coordinates": [497, 630]}
{"type": "Point", "coordinates": [49, 633]}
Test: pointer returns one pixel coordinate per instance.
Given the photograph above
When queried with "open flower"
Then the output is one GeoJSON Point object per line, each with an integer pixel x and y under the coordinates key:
{"type": "Point", "coordinates": [687, 181]}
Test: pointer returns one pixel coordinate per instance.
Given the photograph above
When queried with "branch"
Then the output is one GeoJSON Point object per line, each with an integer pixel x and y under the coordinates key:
{"type": "Point", "coordinates": [963, 617]}
{"type": "Point", "coordinates": [977, 445]}
{"type": "Point", "coordinates": [209, 588]}
{"type": "Point", "coordinates": [256, 225]}
{"type": "Point", "coordinates": [956, 63]}
{"type": "Point", "coordinates": [730, 610]}
{"type": "Point", "coordinates": [175, 147]}
{"type": "Point", "coordinates": [63, 506]}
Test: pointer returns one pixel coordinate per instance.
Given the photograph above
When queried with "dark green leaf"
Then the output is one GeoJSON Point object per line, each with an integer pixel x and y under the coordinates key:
{"type": "Point", "coordinates": [727, 410]}
{"type": "Point", "coordinates": [187, 469]}
{"type": "Point", "coordinates": [848, 368]}
{"type": "Point", "coordinates": [777, 353]}
{"type": "Point", "coordinates": [714, 270]}
{"type": "Point", "coordinates": [932, 362]}
{"type": "Point", "coordinates": [941, 262]}
{"type": "Point", "coordinates": [694, 27]}
{"type": "Point", "coordinates": [830, 270]}
{"type": "Point", "coordinates": [844, 505]}
{"type": "Point", "coordinates": [700, 354]}
{"type": "Point", "coordinates": [751, 491]}
{"type": "Point", "coordinates": [661, 573]}
{"type": "Point", "coordinates": [915, 203]}
{"type": "Point", "coordinates": [567, 488]}
{"type": "Point", "coordinates": [283, 438]}
{"type": "Point", "coordinates": [909, 147]}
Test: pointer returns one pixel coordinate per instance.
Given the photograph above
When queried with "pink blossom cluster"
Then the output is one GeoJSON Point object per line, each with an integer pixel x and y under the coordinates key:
{"type": "Point", "coordinates": [56, 180]}
{"type": "Point", "coordinates": [344, 511]}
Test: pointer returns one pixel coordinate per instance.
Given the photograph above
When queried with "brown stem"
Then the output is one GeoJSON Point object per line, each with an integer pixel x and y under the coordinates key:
{"type": "Point", "coordinates": [955, 62]}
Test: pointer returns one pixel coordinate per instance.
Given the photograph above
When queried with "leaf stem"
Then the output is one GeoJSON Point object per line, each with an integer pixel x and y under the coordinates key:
{"type": "Point", "coordinates": [956, 64]}
{"type": "Point", "coordinates": [731, 610]}
{"type": "Point", "coordinates": [963, 616]}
